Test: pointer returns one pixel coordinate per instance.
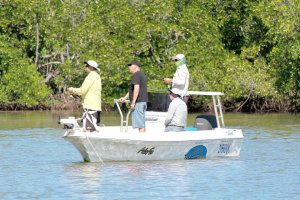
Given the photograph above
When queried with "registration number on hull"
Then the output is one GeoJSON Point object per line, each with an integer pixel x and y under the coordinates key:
{"type": "Point", "coordinates": [224, 148]}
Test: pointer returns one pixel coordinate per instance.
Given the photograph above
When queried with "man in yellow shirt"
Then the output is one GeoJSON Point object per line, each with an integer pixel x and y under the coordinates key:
{"type": "Point", "coordinates": [90, 93]}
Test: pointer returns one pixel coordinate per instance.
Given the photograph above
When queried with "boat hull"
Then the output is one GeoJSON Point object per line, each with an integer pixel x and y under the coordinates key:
{"type": "Point", "coordinates": [109, 144]}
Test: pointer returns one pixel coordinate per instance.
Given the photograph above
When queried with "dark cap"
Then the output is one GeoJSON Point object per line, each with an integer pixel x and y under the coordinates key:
{"type": "Point", "coordinates": [134, 62]}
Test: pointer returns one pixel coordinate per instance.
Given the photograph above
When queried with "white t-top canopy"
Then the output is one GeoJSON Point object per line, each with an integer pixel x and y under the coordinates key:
{"type": "Point", "coordinates": [204, 93]}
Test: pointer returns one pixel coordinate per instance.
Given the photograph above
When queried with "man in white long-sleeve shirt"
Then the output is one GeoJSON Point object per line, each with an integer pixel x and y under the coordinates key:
{"type": "Point", "coordinates": [181, 77]}
{"type": "Point", "coordinates": [177, 112]}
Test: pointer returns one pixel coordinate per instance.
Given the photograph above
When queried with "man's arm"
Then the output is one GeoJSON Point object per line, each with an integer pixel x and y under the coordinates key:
{"type": "Point", "coordinates": [136, 91]}
{"type": "Point", "coordinates": [167, 81]}
{"type": "Point", "coordinates": [125, 97]}
{"type": "Point", "coordinates": [179, 77]}
{"type": "Point", "coordinates": [170, 114]}
{"type": "Point", "coordinates": [88, 81]}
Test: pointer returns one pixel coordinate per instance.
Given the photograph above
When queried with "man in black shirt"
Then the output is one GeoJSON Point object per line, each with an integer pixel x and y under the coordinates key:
{"type": "Point", "coordinates": [138, 96]}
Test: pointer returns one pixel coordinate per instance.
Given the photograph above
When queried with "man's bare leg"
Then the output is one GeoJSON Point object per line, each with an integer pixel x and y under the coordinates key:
{"type": "Point", "coordinates": [141, 130]}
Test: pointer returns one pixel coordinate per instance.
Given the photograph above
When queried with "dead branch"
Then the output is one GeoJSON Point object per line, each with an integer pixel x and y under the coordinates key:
{"type": "Point", "coordinates": [51, 63]}
{"type": "Point", "coordinates": [37, 46]}
{"type": "Point", "coordinates": [51, 75]}
{"type": "Point", "coordinates": [48, 55]}
{"type": "Point", "coordinates": [249, 95]}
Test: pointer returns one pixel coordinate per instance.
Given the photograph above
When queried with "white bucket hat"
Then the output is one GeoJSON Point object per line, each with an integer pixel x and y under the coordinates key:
{"type": "Point", "coordinates": [93, 64]}
{"type": "Point", "coordinates": [176, 91]}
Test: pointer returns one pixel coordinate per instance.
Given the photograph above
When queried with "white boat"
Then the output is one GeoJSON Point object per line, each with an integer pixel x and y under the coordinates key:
{"type": "Point", "coordinates": [208, 138]}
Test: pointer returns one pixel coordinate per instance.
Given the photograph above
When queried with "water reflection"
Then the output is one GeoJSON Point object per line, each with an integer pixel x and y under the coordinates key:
{"type": "Point", "coordinates": [84, 177]}
{"type": "Point", "coordinates": [36, 163]}
{"type": "Point", "coordinates": [160, 180]}
{"type": "Point", "coordinates": [87, 171]}
{"type": "Point", "coordinates": [47, 119]}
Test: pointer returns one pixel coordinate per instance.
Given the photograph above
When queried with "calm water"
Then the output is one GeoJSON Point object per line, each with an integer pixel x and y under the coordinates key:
{"type": "Point", "coordinates": [36, 163]}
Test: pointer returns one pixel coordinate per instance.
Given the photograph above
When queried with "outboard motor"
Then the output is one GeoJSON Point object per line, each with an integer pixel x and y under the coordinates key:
{"type": "Point", "coordinates": [69, 123]}
{"type": "Point", "coordinates": [205, 122]}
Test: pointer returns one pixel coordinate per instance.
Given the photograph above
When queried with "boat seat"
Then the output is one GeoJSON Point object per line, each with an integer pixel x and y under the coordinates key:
{"type": "Point", "coordinates": [205, 122]}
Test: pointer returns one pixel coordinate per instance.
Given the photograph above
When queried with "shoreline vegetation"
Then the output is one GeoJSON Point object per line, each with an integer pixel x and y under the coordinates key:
{"type": "Point", "coordinates": [249, 50]}
{"type": "Point", "coordinates": [66, 102]}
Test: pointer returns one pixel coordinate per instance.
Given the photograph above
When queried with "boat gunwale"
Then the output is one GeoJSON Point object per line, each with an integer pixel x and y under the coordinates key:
{"type": "Point", "coordinates": [200, 135]}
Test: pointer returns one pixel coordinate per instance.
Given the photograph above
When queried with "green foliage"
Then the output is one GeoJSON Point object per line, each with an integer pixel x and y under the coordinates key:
{"type": "Point", "coordinates": [23, 84]}
{"type": "Point", "coordinates": [20, 82]}
{"type": "Point", "coordinates": [282, 20]}
{"type": "Point", "coordinates": [243, 48]}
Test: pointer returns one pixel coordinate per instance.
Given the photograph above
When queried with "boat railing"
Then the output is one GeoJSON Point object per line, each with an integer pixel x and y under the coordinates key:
{"type": "Point", "coordinates": [217, 104]}
{"type": "Point", "coordinates": [123, 122]}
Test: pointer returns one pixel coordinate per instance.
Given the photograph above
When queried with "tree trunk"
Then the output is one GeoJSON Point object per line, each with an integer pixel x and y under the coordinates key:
{"type": "Point", "coordinates": [37, 46]}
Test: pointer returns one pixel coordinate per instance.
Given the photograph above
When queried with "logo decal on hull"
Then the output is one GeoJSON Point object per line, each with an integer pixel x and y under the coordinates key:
{"type": "Point", "coordinates": [146, 150]}
{"type": "Point", "coordinates": [196, 152]}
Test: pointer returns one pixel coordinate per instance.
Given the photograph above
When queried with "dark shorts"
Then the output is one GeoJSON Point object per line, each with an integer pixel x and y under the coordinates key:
{"type": "Point", "coordinates": [185, 99]}
{"type": "Point", "coordinates": [90, 119]}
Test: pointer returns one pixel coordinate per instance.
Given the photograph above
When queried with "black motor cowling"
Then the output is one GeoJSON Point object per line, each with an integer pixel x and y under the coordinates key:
{"type": "Point", "coordinates": [205, 122]}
